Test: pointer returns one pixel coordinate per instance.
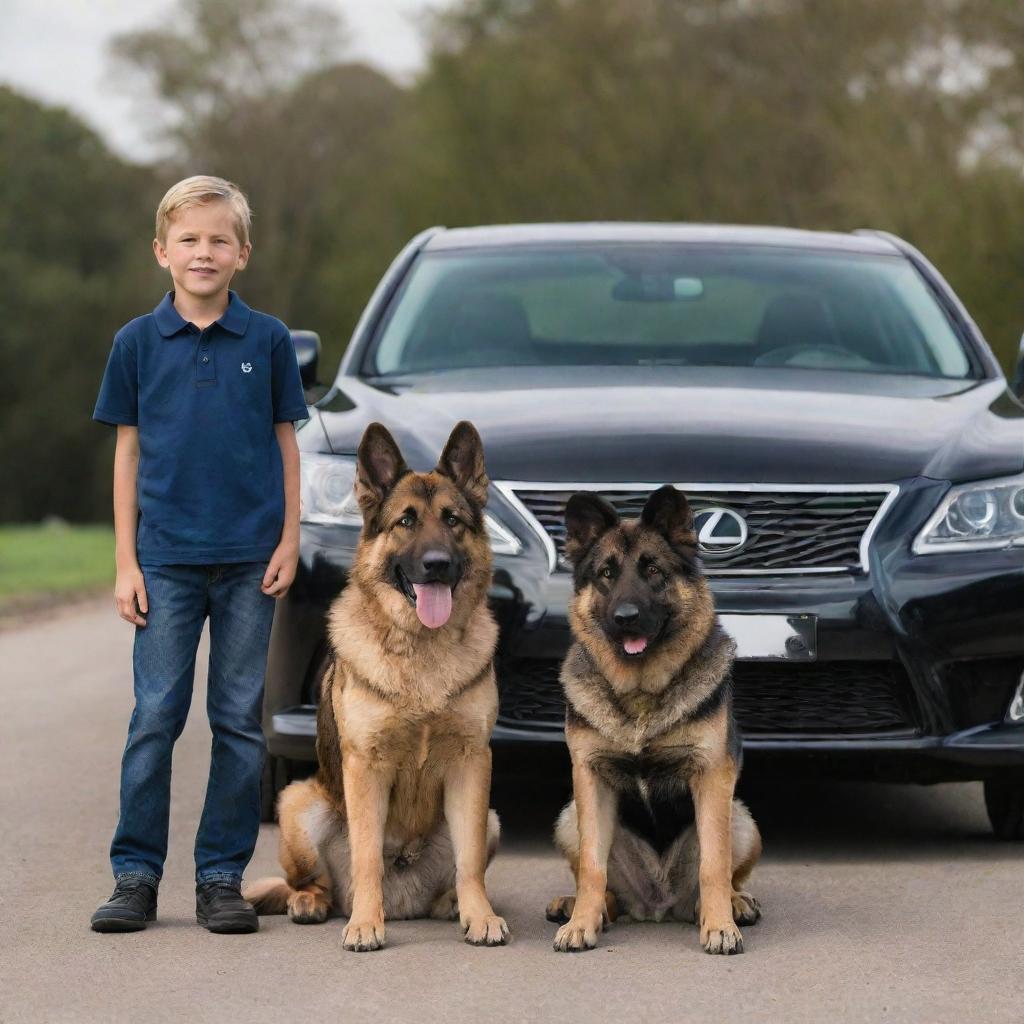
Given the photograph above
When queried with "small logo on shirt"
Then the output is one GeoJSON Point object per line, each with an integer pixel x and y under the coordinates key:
{"type": "Point", "coordinates": [246, 367]}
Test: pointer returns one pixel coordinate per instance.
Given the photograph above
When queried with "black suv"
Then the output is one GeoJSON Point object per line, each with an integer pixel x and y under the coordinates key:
{"type": "Point", "coordinates": [846, 436]}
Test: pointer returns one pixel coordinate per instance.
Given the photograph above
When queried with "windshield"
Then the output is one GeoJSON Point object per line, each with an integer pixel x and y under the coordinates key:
{"type": "Point", "coordinates": [642, 305]}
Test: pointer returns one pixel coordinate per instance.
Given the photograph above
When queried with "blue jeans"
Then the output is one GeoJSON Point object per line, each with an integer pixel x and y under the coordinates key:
{"type": "Point", "coordinates": [164, 660]}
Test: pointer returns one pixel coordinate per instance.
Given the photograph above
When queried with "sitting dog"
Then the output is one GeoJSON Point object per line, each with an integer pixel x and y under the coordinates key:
{"type": "Point", "coordinates": [395, 824]}
{"type": "Point", "coordinates": [653, 829]}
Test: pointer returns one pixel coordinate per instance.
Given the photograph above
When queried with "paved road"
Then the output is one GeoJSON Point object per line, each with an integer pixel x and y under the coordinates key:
{"type": "Point", "coordinates": [881, 903]}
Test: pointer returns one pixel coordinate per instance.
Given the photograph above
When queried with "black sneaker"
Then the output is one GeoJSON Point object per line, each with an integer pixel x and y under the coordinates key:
{"type": "Point", "coordinates": [130, 908]}
{"type": "Point", "coordinates": [221, 909]}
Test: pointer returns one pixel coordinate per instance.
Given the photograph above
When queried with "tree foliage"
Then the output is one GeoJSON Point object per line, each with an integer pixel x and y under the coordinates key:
{"type": "Point", "coordinates": [865, 113]}
{"type": "Point", "coordinates": [255, 91]}
{"type": "Point", "coordinates": [903, 116]}
{"type": "Point", "coordinates": [218, 56]}
{"type": "Point", "coordinates": [74, 266]}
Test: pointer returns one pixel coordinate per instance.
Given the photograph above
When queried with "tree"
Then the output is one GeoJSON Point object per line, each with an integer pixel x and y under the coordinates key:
{"type": "Point", "coordinates": [790, 112]}
{"type": "Point", "coordinates": [75, 224]}
{"type": "Point", "coordinates": [254, 91]}
{"type": "Point", "coordinates": [221, 56]}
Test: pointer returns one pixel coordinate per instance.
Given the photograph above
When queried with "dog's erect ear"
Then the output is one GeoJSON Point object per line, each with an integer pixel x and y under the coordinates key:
{"type": "Point", "coordinates": [668, 512]}
{"type": "Point", "coordinates": [379, 466]}
{"type": "Point", "coordinates": [463, 461]}
{"type": "Point", "coordinates": [587, 516]}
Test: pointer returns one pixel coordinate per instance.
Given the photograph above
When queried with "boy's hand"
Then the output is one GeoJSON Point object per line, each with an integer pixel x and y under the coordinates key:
{"type": "Point", "coordinates": [280, 570]}
{"type": "Point", "coordinates": [130, 596]}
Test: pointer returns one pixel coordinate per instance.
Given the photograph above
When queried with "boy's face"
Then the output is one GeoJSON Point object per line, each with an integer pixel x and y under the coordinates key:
{"type": "Point", "coordinates": [202, 250]}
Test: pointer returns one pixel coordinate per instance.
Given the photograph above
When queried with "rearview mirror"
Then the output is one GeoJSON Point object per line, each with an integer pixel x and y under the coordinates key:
{"type": "Point", "coordinates": [307, 351]}
{"type": "Point", "coordinates": [657, 288]}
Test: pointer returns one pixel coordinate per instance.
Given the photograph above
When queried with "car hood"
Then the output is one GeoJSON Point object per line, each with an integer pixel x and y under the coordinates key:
{"type": "Point", "coordinates": [692, 424]}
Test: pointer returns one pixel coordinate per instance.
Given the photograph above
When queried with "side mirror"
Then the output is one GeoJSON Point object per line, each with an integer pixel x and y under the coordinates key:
{"type": "Point", "coordinates": [1017, 380]}
{"type": "Point", "coordinates": [307, 350]}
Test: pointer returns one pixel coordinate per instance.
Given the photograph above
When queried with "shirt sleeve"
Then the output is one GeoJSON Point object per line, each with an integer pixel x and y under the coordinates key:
{"type": "Point", "coordinates": [285, 382]}
{"type": "Point", "coordinates": [118, 401]}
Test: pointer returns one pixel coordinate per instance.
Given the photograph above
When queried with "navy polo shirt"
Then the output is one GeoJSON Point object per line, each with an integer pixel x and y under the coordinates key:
{"type": "Point", "coordinates": [210, 479]}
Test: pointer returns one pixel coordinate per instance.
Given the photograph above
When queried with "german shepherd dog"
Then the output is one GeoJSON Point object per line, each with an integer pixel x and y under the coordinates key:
{"type": "Point", "coordinates": [653, 829]}
{"type": "Point", "coordinates": [396, 824]}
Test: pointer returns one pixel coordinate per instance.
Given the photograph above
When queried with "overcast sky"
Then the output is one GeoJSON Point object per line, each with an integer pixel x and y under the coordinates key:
{"type": "Point", "coordinates": [56, 51]}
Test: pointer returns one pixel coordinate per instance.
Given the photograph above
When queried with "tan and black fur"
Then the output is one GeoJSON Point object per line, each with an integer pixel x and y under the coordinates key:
{"type": "Point", "coordinates": [396, 824]}
{"type": "Point", "coordinates": [653, 830]}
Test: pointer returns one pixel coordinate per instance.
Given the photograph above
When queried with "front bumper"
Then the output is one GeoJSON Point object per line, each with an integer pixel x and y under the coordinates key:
{"type": "Point", "coordinates": [916, 662]}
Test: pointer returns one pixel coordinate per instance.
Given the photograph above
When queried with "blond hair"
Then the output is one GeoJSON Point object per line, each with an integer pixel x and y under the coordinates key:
{"type": "Point", "coordinates": [198, 190]}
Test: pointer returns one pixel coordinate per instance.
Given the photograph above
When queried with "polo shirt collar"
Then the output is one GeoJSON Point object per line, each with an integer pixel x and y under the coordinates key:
{"type": "Point", "coordinates": [236, 317]}
{"type": "Point", "coordinates": [169, 321]}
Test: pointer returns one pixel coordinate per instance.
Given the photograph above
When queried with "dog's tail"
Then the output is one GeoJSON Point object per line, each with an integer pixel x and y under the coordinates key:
{"type": "Point", "coordinates": [268, 895]}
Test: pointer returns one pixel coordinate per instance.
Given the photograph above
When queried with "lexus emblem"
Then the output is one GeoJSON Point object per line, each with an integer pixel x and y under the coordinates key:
{"type": "Point", "coordinates": [719, 530]}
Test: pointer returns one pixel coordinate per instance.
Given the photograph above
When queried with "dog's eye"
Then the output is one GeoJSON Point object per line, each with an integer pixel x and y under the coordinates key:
{"type": "Point", "coordinates": [406, 521]}
{"type": "Point", "coordinates": [451, 519]}
{"type": "Point", "coordinates": [653, 570]}
{"type": "Point", "coordinates": [606, 573]}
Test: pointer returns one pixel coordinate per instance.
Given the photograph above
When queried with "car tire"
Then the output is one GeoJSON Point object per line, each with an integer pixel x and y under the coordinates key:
{"type": "Point", "coordinates": [1004, 801]}
{"type": "Point", "coordinates": [277, 774]}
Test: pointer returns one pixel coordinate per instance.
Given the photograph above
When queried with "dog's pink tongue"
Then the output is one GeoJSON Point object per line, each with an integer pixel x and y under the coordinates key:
{"type": "Point", "coordinates": [433, 603]}
{"type": "Point", "coordinates": [635, 645]}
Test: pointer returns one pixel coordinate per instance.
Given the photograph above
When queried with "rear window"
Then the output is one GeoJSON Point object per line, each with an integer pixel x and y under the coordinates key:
{"type": "Point", "coordinates": [628, 305]}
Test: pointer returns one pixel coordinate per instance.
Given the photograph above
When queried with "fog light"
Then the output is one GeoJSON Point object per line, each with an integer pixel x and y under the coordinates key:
{"type": "Point", "coordinates": [1016, 711]}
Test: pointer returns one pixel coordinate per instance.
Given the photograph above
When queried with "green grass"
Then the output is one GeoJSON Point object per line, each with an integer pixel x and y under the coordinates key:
{"type": "Point", "coordinates": [36, 560]}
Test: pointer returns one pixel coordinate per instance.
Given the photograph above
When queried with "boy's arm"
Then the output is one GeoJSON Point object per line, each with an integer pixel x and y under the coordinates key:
{"type": "Point", "coordinates": [129, 586]}
{"type": "Point", "coordinates": [281, 569]}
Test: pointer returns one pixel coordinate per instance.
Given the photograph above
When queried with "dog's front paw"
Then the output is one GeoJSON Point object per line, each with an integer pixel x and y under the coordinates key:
{"type": "Point", "coordinates": [363, 937]}
{"type": "Point", "coordinates": [724, 940]}
{"type": "Point", "coordinates": [745, 908]}
{"type": "Point", "coordinates": [578, 933]}
{"type": "Point", "coordinates": [489, 930]}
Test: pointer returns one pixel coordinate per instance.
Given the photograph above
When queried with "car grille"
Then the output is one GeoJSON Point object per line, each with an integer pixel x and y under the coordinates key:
{"type": "Point", "coordinates": [530, 694]}
{"type": "Point", "coordinates": [843, 698]}
{"type": "Point", "coordinates": [830, 698]}
{"type": "Point", "coordinates": [789, 531]}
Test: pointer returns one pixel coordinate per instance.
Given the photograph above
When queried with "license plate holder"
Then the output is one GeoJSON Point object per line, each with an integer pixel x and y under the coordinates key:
{"type": "Point", "coordinates": [773, 637]}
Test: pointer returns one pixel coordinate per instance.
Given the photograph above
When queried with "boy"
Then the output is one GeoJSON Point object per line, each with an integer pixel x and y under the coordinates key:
{"type": "Point", "coordinates": [204, 393]}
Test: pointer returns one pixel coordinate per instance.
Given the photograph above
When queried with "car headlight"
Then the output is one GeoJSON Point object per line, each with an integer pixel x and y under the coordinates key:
{"type": "Point", "coordinates": [503, 540]}
{"type": "Point", "coordinates": [976, 517]}
{"type": "Point", "coordinates": [327, 496]}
